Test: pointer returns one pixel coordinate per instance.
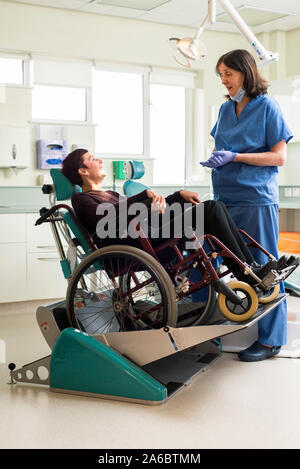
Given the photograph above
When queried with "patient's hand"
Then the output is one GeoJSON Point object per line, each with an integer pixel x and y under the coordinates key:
{"type": "Point", "coordinates": [158, 201]}
{"type": "Point", "coordinates": [190, 196]}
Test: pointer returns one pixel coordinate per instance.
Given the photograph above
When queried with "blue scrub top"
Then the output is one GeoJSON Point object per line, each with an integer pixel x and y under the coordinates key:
{"type": "Point", "coordinates": [258, 128]}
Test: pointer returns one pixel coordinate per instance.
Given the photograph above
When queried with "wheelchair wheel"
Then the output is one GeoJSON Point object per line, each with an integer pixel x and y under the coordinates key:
{"type": "Point", "coordinates": [236, 312]}
{"type": "Point", "coordinates": [194, 313]}
{"type": "Point", "coordinates": [120, 288]}
{"type": "Point", "coordinates": [267, 297]}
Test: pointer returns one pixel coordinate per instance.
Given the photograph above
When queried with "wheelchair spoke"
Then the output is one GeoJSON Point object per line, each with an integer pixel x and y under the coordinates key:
{"type": "Point", "coordinates": [239, 308]}
{"type": "Point", "coordinates": [126, 294]}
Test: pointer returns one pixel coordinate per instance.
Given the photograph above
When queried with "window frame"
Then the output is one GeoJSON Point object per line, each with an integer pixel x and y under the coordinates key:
{"type": "Point", "coordinates": [187, 80]}
{"type": "Point", "coordinates": [61, 84]}
{"type": "Point", "coordinates": [25, 67]}
{"type": "Point", "coordinates": [168, 79]}
{"type": "Point", "coordinates": [87, 121]}
{"type": "Point", "coordinates": [168, 76]}
{"type": "Point", "coordinates": [144, 72]}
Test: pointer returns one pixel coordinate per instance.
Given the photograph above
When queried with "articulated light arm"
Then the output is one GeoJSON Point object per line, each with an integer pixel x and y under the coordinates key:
{"type": "Point", "coordinates": [264, 55]}
{"type": "Point", "coordinates": [188, 49]}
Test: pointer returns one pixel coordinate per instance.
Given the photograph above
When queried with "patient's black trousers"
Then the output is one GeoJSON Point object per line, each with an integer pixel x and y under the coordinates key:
{"type": "Point", "coordinates": [217, 221]}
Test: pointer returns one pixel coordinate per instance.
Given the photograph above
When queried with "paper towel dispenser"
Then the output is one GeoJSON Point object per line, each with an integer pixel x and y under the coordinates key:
{"type": "Point", "coordinates": [50, 153]}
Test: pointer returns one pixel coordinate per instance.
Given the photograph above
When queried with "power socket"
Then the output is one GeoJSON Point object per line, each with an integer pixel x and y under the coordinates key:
{"type": "Point", "coordinates": [288, 192]}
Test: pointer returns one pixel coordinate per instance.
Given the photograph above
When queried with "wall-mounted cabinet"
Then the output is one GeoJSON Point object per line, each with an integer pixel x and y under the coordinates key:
{"type": "Point", "coordinates": [14, 147]}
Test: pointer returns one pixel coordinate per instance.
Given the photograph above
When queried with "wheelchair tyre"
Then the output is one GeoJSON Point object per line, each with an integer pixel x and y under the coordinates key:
{"type": "Point", "coordinates": [267, 297]}
{"type": "Point", "coordinates": [197, 313]}
{"type": "Point", "coordinates": [120, 288]}
{"type": "Point", "coordinates": [238, 313]}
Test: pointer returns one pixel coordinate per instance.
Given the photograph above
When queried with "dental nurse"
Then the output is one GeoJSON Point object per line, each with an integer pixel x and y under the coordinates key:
{"type": "Point", "coordinates": [251, 139]}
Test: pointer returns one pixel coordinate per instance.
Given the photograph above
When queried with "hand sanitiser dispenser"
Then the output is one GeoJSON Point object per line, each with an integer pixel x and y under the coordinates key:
{"type": "Point", "coordinates": [50, 154]}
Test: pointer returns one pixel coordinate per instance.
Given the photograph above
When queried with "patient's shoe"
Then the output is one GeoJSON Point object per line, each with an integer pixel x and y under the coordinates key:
{"type": "Point", "coordinates": [258, 352]}
{"type": "Point", "coordinates": [293, 260]}
{"type": "Point", "coordinates": [282, 262]}
{"type": "Point", "coordinates": [262, 270]}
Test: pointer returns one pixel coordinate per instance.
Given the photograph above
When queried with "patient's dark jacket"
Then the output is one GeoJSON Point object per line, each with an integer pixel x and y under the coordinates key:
{"type": "Point", "coordinates": [85, 205]}
{"type": "Point", "coordinates": [217, 221]}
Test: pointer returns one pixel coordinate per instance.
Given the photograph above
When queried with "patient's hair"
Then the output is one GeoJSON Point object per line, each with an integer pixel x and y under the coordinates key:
{"type": "Point", "coordinates": [242, 61]}
{"type": "Point", "coordinates": [72, 163]}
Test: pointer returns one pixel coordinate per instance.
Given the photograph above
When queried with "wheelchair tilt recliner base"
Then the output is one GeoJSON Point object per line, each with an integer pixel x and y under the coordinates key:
{"type": "Point", "coordinates": [126, 366]}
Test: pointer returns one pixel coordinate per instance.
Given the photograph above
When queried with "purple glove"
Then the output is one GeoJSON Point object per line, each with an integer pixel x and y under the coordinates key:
{"type": "Point", "coordinates": [219, 158]}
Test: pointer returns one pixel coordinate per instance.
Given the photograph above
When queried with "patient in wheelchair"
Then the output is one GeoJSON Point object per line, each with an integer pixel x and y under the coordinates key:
{"type": "Point", "coordinates": [83, 169]}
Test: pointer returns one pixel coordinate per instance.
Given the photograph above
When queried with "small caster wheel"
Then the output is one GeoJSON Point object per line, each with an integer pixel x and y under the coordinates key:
{"type": "Point", "coordinates": [11, 367]}
{"type": "Point", "coordinates": [267, 297]}
{"type": "Point", "coordinates": [246, 309]}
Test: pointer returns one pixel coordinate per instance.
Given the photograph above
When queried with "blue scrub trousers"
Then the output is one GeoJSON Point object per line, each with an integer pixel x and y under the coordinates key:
{"type": "Point", "coordinates": [261, 222]}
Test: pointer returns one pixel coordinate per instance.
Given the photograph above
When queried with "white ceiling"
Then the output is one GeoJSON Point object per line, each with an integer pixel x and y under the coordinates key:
{"type": "Point", "coordinates": [183, 12]}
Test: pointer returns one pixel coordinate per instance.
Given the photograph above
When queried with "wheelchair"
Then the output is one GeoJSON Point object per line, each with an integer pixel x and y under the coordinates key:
{"type": "Point", "coordinates": [120, 288]}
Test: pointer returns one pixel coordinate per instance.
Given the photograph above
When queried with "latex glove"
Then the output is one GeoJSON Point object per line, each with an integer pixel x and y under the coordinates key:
{"type": "Point", "coordinates": [219, 158]}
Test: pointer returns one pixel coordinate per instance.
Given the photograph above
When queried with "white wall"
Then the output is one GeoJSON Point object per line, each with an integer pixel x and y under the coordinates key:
{"type": "Point", "coordinates": [42, 30]}
{"type": "Point", "coordinates": [50, 31]}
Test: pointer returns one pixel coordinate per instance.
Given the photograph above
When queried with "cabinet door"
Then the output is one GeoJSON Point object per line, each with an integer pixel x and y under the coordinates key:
{"type": "Point", "coordinates": [44, 276]}
{"type": "Point", "coordinates": [13, 228]}
{"type": "Point", "coordinates": [13, 272]}
{"type": "Point", "coordinates": [40, 237]}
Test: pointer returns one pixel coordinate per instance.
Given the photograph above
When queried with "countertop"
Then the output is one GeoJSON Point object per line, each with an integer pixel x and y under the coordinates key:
{"type": "Point", "coordinates": [28, 199]}
{"type": "Point", "coordinates": [35, 209]}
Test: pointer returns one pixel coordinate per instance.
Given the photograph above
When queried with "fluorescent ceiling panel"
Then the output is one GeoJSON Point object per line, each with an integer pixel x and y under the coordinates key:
{"type": "Point", "coordinates": [253, 16]}
{"type": "Point", "coordinates": [145, 5]}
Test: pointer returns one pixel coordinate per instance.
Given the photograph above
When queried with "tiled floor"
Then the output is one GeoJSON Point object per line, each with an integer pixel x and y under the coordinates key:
{"type": "Point", "coordinates": [232, 405]}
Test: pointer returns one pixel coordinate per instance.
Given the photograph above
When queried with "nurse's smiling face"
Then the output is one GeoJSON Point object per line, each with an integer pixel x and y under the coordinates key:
{"type": "Point", "coordinates": [231, 79]}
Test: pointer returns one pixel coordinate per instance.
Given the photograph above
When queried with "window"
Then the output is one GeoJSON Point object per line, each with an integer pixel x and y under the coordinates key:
{"type": "Point", "coordinates": [61, 89]}
{"type": "Point", "coordinates": [118, 112]}
{"type": "Point", "coordinates": [168, 133]}
{"type": "Point", "coordinates": [11, 71]}
{"type": "Point", "coordinates": [58, 103]}
{"type": "Point", "coordinates": [140, 112]}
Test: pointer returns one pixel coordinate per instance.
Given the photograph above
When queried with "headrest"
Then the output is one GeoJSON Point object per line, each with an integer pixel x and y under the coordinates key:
{"type": "Point", "coordinates": [132, 188]}
{"type": "Point", "coordinates": [134, 169]}
{"type": "Point", "coordinates": [64, 189]}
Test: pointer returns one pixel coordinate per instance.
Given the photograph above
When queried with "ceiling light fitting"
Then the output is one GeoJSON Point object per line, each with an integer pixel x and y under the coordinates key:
{"type": "Point", "coordinates": [189, 49]}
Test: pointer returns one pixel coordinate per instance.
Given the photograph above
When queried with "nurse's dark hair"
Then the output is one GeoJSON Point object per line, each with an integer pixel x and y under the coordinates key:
{"type": "Point", "coordinates": [242, 61]}
{"type": "Point", "coordinates": [70, 165]}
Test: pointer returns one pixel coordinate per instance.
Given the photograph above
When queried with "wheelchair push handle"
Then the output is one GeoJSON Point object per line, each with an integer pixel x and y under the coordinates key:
{"type": "Point", "coordinates": [45, 213]}
{"type": "Point", "coordinates": [47, 189]}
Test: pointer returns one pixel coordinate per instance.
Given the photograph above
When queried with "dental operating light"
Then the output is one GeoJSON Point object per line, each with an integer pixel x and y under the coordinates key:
{"type": "Point", "coordinates": [192, 48]}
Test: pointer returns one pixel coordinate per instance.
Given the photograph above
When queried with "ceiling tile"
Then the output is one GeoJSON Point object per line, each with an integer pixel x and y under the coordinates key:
{"type": "Point", "coordinates": [288, 6]}
{"type": "Point", "coordinates": [169, 19]}
{"type": "Point", "coordinates": [110, 10]}
{"type": "Point", "coordinates": [252, 16]}
{"type": "Point", "coordinates": [145, 5]}
{"type": "Point", "coordinates": [181, 12]}
{"type": "Point", "coordinates": [68, 4]}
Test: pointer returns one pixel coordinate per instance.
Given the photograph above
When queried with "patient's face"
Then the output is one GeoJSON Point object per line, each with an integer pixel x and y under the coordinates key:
{"type": "Point", "coordinates": [94, 166]}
